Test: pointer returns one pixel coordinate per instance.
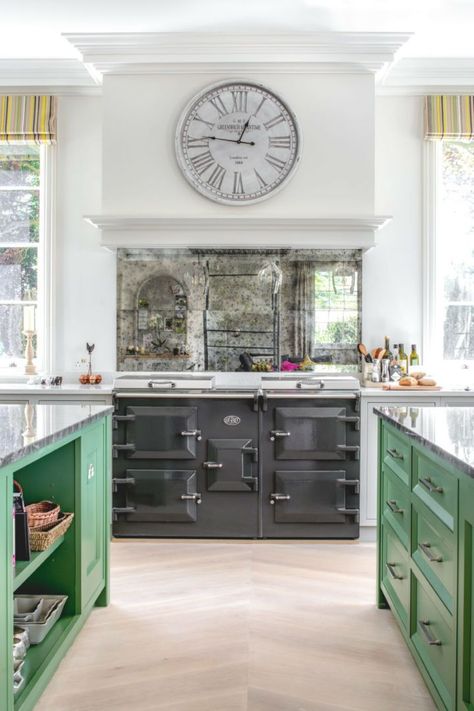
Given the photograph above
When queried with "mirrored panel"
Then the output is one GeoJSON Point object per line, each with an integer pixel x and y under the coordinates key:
{"type": "Point", "coordinates": [229, 310]}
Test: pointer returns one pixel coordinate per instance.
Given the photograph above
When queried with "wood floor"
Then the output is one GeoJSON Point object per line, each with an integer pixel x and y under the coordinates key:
{"type": "Point", "coordinates": [258, 626]}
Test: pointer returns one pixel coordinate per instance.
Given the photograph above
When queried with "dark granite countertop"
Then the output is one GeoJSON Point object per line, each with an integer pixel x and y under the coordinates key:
{"type": "Point", "coordinates": [445, 431]}
{"type": "Point", "coordinates": [28, 428]}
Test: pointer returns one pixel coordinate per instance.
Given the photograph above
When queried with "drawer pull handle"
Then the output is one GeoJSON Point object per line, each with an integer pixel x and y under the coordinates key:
{"type": "Point", "coordinates": [426, 548]}
{"type": "Point", "coordinates": [279, 497]}
{"type": "Point", "coordinates": [432, 488]}
{"type": "Point", "coordinates": [191, 497]}
{"type": "Point", "coordinates": [91, 471]}
{"type": "Point", "coordinates": [392, 505]}
{"type": "Point", "coordinates": [392, 572]}
{"type": "Point", "coordinates": [395, 454]}
{"type": "Point", "coordinates": [192, 433]}
{"type": "Point", "coordinates": [427, 635]}
{"type": "Point", "coordinates": [212, 465]}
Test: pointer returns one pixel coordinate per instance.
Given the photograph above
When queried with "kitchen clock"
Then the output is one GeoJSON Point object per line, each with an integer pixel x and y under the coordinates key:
{"type": "Point", "coordinates": [237, 143]}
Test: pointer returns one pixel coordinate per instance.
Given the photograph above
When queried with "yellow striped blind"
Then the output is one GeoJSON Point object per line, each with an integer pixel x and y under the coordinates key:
{"type": "Point", "coordinates": [449, 117]}
{"type": "Point", "coordinates": [28, 118]}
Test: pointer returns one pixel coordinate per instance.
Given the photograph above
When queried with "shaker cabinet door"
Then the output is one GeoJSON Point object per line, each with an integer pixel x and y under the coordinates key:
{"type": "Point", "coordinates": [92, 513]}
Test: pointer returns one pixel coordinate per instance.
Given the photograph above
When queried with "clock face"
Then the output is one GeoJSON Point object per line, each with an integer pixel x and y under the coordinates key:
{"type": "Point", "coordinates": [237, 143]}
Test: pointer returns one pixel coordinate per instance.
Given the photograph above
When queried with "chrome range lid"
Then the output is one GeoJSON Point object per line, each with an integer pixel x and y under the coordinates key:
{"type": "Point", "coordinates": [162, 381]}
{"type": "Point", "coordinates": [313, 381]}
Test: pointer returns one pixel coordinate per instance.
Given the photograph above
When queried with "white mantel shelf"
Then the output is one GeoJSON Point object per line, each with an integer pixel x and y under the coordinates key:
{"type": "Point", "coordinates": [258, 232]}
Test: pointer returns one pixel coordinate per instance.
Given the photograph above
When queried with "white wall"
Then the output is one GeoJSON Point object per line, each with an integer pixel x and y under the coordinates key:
{"type": "Point", "coordinates": [84, 272]}
{"type": "Point", "coordinates": [335, 175]}
{"type": "Point", "coordinates": [392, 283]}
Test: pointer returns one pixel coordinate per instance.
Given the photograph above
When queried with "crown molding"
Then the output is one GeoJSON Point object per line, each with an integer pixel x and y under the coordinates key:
{"type": "Point", "coordinates": [191, 232]}
{"type": "Point", "coordinates": [420, 76]}
{"type": "Point", "coordinates": [54, 76]}
{"type": "Point", "coordinates": [116, 53]}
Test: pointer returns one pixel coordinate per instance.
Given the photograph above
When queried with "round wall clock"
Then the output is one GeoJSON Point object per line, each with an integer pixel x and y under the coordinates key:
{"type": "Point", "coordinates": [237, 143]}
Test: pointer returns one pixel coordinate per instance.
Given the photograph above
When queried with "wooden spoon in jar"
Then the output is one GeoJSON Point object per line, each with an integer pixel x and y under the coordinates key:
{"type": "Point", "coordinates": [364, 352]}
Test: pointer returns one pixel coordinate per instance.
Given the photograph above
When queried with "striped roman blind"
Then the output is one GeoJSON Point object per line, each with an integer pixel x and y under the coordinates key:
{"type": "Point", "coordinates": [28, 118]}
{"type": "Point", "coordinates": [449, 117]}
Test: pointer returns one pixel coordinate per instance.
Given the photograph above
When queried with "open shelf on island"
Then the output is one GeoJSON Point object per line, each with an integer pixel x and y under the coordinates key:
{"type": "Point", "coordinates": [40, 658]}
{"type": "Point", "coordinates": [25, 568]}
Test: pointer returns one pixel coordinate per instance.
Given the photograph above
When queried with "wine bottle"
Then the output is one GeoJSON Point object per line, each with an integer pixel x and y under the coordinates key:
{"type": "Point", "coordinates": [388, 353]}
{"type": "Point", "coordinates": [414, 357]}
{"type": "Point", "coordinates": [395, 354]}
{"type": "Point", "coordinates": [403, 358]}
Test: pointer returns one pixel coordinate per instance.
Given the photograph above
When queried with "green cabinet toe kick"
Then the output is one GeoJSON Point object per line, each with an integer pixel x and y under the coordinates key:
{"type": "Point", "coordinates": [74, 470]}
{"type": "Point", "coordinates": [425, 557]}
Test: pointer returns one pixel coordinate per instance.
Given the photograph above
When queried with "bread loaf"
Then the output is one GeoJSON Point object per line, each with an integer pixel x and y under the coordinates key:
{"type": "Point", "coordinates": [407, 380]}
{"type": "Point", "coordinates": [427, 381]}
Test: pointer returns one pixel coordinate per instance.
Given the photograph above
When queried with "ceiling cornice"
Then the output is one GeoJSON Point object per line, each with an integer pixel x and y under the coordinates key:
{"type": "Point", "coordinates": [431, 75]}
{"type": "Point", "coordinates": [118, 53]}
{"type": "Point", "coordinates": [52, 76]}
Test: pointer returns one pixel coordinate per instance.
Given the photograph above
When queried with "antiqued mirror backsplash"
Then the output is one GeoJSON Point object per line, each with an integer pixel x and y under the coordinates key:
{"type": "Point", "coordinates": [228, 310]}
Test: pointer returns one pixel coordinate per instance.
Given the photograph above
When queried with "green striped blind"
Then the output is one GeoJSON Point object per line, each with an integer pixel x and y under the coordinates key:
{"type": "Point", "coordinates": [28, 118]}
{"type": "Point", "coordinates": [449, 117]}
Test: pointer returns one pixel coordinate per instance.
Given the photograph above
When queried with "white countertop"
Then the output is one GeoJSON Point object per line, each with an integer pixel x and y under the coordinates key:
{"type": "Point", "coordinates": [65, 389]}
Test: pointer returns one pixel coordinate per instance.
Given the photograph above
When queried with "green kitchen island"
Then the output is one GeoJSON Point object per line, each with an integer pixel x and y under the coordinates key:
{"type": "Point", "coordinates": [426, 542]}
{"type": "Point", "coordinates": [59, 453]}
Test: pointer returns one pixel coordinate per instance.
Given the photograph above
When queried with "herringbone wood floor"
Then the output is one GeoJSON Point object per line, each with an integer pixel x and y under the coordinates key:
{"type": "Point", "coordinates": [251, 626]}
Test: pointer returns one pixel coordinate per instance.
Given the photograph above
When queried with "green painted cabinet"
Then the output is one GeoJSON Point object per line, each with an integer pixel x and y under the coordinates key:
{"type": "Point", "coordinates": [75, 471]}
{"type": "Point", "coordinates": [425, 562]}
{"type": "Point", "coordinates": [93, 498]}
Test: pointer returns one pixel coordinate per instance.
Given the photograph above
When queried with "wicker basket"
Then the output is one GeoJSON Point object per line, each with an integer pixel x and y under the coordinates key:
{"type": "Point", "coordinates": [42, 513]}
{"type": "Point", "coordinates": [40, 540]}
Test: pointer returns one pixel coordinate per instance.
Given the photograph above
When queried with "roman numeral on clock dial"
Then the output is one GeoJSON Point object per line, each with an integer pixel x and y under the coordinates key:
{"type": "Point", "coordinates": [197, 142]}
{"type": "Point", "coordinates": [279, 142]}
{"type": "Point", "coordinates": [202, 161]}
{"type": "Point", "coordinates": [261, 181]}
{"type": "Point", "coordinates": [239, 101]}
{"type": "Point", "coordinates": [219, 106]}
{"type": "Point", "coordinates": [275, 162]}
{"type": "Point", "coordinates": [274, 121]}
{"type": "Point", "coordinates": [216, 177]}
{"type": "Point", "coordinates": [201, 120]}
{"type": "Point", "coordinates": [238, 184]}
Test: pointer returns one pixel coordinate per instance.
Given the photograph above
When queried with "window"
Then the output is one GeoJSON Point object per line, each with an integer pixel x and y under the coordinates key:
{"type": "Point", "coordinates": [450, 247]}
{"type": "Point", "coordinates": [21, 244]}
{"type": "Point", "coordinates": [337, 311]}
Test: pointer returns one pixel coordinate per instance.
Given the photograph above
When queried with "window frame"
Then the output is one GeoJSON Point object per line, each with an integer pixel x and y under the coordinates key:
{"type": "Point", "coordinates": [432, 324]}
{"type": "Point", "coordinates": [46, 270]}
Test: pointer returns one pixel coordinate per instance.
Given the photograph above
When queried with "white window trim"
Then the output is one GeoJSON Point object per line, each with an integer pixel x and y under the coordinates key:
{"type": "Point", "coordinates": [46, 263]}
{"type": "Point", "coordinates": [430, 343]}
{"type": "Point", "coordinates": [431, 277]}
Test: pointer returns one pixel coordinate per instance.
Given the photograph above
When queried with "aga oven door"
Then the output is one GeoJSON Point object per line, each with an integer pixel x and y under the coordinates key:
{"type": "Point", "coordinates": [158, 431]}
{"type": "Point", "coordinates": [144, 499]}
{"type": "Point", "coordinates": [310, 502]}
{"type": "Point", "coordinates": [309, 432]}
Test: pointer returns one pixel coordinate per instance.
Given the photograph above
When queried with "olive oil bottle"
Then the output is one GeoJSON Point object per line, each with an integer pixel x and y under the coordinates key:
{"type": "Point", "coordinates": [414, 357]}
{"type": "Point", "coordinates": [402, 358]}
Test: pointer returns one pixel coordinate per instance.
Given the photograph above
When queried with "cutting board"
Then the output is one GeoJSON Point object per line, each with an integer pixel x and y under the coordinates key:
{"type": "Point", "coordinates": [419, 388]}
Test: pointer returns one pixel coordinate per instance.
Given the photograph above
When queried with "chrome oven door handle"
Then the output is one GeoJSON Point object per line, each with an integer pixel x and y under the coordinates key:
{"type": "Point", "coordinates": [192, 497]}
{"type": "Point", "coordinates": [192, 433]}
{"type": "Point", "coordinates": [279, 497]}
{"type": "Point", "coordinates": [212, 465]}
{"type": "Point", "coordinates": [274, 434]}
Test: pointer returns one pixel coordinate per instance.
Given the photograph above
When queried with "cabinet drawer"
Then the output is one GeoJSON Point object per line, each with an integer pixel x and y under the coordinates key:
{"type": "Point", "coordinates": [433, 635]}
{"type": "Point", "coordinates": [436, 487]}
{"type": "Point", "coordinates": [397, 454]}
{"type": "Point", "coordinates": [395, 573]}
{"type": "Point", "coordinates": [396, 505]}
{"type": "Point", "coordinates": [434, 551]}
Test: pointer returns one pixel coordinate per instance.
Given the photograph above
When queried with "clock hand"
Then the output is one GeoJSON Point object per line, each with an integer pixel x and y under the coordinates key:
{"type": "Point", "coordinates": [246, 125]}
{"type": "Point", "coordinates": [230, 140]}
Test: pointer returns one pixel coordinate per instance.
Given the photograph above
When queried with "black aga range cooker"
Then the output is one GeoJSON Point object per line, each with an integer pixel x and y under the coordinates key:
{"type": "Point", "coordinates": [278, 462]}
